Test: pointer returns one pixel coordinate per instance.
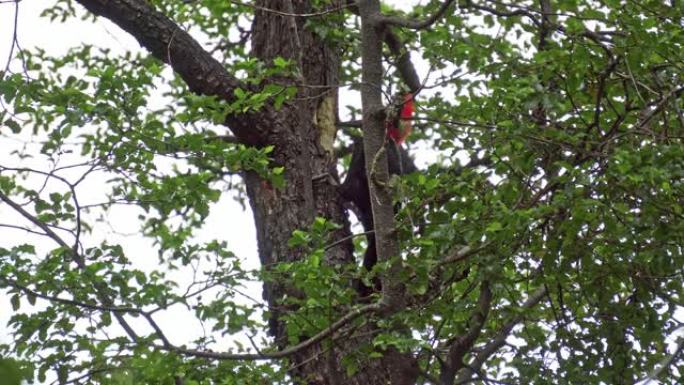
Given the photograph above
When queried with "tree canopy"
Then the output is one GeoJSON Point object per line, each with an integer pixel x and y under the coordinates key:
{"type": "Point", "coordinates": [540, 242]}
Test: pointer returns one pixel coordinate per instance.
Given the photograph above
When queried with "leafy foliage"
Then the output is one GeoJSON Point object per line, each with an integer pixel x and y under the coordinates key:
{"type": "Point", "coordinates": [552, 207]}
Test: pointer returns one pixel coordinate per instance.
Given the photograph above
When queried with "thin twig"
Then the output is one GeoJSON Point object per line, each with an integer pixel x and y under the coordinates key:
{"type": "Point", "coordinates": [349, 317]}
{"type": "Point", "coordinates": [413, 23]}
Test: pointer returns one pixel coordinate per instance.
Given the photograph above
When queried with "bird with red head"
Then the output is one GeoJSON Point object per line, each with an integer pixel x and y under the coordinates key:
{"type": "Point", "coordinates": [399, 128]}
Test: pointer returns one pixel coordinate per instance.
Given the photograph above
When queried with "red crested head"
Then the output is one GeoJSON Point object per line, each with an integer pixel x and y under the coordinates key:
{"type": "Point", "coordinates": [399, 129]}
{"type": "Point", "coordinates": [407, 108]}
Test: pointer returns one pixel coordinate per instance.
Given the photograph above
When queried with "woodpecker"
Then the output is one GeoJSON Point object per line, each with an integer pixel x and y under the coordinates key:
{"type": "Point", "coordinates": [399, 126]}
{"type": "Point", "coordinates": [355, 186]}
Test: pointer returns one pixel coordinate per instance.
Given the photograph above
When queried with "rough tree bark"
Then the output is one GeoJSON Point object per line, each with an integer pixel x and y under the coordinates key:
{"type": "Point", "coordinates": [300, 134]}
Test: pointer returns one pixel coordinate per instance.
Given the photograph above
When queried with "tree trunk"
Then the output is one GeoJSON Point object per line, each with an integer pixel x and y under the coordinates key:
{"type": "Point", "coordinates": [311, 188]}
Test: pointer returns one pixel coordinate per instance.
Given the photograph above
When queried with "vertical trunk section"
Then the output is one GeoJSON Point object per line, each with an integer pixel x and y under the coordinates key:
{"type": "Point", "coordinates": [309, 169]}
{"type": "Point", "coordinates": [302, 137]}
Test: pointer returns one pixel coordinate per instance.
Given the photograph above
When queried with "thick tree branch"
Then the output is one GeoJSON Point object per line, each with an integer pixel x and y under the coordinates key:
{"type": "Point", "coordinates": [500, 339]}
{"type": "Point", "coordinates": [374, 138]}
{"type": "Point", "coordinates": [403, 62]}
{"type": "Point", "coordinates": [171, 44]}
{"type": "Point", "coordinates": [463, 344]}
{"type": "Point", "coordinates": [404, 65]}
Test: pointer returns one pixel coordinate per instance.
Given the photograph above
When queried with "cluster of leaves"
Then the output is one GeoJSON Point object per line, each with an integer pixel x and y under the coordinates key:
{"type": "Point", "coordinates": [583, 195]}
{"type": "Point", "coordinates": [171, 162]}
{"type": "Point", "coordinates": [578, 192]}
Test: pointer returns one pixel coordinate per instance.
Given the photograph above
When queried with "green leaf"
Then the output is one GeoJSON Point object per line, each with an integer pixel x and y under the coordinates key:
{"type": "Point", "coordinates": [11, 372]}
{"type": "Point", "coordinates": [13, 125]}
{"type": "Point", "coordinates": [16, 302]}
{"type": "Point", "coordinates": [494, 227]}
